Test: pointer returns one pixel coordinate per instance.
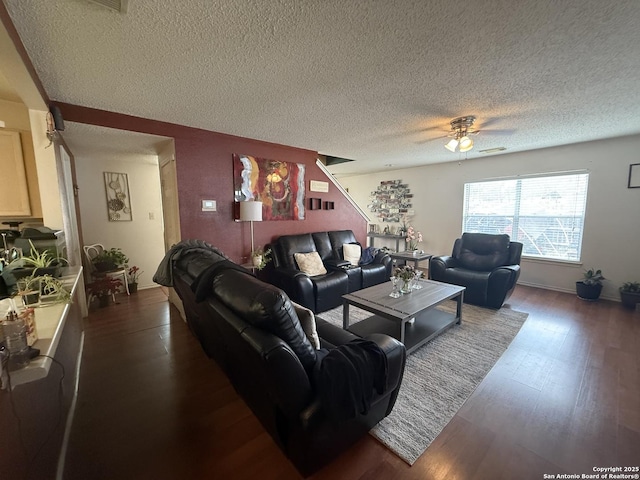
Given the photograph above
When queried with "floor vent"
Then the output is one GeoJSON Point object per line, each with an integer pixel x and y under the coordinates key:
{"type": "Point", "coordinates": [117, 5]}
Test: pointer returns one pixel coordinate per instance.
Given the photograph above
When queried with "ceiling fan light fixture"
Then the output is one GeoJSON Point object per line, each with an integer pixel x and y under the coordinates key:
{"type": "Point", "coordinates": [451, 146]}
{"type": "Point", "coordinates": [466, 144]}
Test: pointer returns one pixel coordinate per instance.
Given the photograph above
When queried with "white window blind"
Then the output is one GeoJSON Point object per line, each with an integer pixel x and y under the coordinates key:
{"type": "Point", "coordinates": [547, 212]}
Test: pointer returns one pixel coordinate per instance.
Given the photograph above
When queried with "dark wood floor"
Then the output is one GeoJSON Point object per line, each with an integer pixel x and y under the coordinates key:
{"type": "Point", "coordinates": [562, 399]}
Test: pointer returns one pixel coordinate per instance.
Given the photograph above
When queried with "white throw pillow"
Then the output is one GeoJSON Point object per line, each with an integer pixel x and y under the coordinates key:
{"type": "Point", "coordinates": [352, 253]}
{"type": "Point", "coordinates": [308, 323]}
{"type": "Point", "coordinates": [310, 263]}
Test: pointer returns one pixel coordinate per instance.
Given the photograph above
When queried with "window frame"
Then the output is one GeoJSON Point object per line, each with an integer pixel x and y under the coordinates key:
{"type": "Point", "coordinates": [565, 225]}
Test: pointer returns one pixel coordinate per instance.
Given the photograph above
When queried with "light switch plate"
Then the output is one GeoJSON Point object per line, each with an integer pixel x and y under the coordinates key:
{"type": "Point", "coordinates": [209, 206]}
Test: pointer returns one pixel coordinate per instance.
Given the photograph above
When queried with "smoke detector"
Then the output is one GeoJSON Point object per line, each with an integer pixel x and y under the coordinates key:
{"type": "Point", "coordinates": [119, 6]}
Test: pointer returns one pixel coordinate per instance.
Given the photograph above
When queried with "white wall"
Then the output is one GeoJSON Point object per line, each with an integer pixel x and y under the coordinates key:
{"type": "Point", "coordinates": [141, 239]}
{"type": "Point", "coordinates": [612, 223]}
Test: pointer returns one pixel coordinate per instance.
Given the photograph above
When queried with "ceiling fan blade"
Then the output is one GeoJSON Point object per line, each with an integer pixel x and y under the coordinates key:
{"type": "Point", "coordinates": [420, 142]}
{"type": "Point", "coordinates": [496, 132]}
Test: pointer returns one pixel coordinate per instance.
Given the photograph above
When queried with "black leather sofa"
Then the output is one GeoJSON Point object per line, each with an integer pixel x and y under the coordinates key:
{"type": "Point", "coordinates": [488, 265]}
{"type": "Point", "coordinates": [322, 292]}
{"type": "Point", "coordinates": [252, 331]}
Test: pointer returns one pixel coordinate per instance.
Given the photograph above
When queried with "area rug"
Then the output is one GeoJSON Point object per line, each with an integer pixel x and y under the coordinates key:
{"type": "Point", "coordinates": [441, 375]}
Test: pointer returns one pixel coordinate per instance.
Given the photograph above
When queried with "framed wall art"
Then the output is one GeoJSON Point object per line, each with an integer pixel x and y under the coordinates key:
{"type": "Point", "coordinates": [277, 184]}
{"type": "Point", "coordinates": [118, 202]}
{"type": "Point", "coordinates": [634, 175]}
{"type": "Point", "coordinates": [391, 201]}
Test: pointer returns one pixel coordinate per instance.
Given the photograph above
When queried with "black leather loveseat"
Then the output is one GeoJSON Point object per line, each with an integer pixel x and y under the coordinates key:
{"type": "Point", "coordinates": [488, 265]}
{"type": "Point", "coordinates": [252, 330]}
{"type": "Point", "coordinates": [324, 291]}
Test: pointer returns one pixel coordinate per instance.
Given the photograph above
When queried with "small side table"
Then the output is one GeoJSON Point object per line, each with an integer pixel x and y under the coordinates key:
{"type": "Point", "coordinates": [407, 257]}
{"type": "Point", "coordinates": [250, 266]}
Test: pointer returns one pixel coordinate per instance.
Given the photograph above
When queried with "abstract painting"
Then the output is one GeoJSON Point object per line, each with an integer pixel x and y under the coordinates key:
{"type": "Point", "coordinates": [277, 184]}
{"type": "Point", "coordinates": [118, 201]}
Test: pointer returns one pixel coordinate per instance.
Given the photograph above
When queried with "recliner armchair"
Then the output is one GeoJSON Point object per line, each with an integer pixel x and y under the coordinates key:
{"type": "Point", "coordinates": [487, 265]}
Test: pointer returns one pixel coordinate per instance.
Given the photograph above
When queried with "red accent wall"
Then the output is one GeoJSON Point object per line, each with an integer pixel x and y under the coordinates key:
{"type": "Point", "coordinates": [205, 171]}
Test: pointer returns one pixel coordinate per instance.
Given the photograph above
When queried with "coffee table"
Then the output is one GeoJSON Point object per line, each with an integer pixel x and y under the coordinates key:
{"type": "Point", "coordinates": [411, 318]}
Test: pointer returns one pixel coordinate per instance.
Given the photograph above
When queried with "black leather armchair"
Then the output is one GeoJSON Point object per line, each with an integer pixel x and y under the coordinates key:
{"type": "Point", "coordinates": [252, 331]}
{"type": "Point", "coordinates": [488, 265]}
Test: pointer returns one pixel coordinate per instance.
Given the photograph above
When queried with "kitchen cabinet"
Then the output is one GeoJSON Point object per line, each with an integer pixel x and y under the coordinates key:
{"type": "Point", "coordinates": [14, 193]}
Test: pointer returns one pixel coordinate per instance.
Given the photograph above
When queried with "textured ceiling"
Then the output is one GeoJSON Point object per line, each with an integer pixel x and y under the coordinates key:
{"type": "Point", "coordinates": [374, 81]}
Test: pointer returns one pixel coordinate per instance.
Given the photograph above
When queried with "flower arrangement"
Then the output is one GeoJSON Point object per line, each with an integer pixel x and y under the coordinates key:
{"type": "Point", "coordinates": [405, 273]}
{"type": "Point", "coordinates": [413, 238]}
{"type": "Point", "coordinates": [133, 274]}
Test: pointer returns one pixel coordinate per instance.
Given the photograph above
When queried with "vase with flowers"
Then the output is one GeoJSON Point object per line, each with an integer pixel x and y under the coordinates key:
{"type": "Point", "coordinates": [413, 239]}
{"type": "Point", "coordinates": [406, 274]}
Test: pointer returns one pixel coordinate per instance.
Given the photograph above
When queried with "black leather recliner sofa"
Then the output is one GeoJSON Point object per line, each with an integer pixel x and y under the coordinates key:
{"type": "Point", "coordinates": [252, 331]}
{"type": "Point", "coordinates": [322, 292]}
{"type": "Point", "coordinates": [488, 265]}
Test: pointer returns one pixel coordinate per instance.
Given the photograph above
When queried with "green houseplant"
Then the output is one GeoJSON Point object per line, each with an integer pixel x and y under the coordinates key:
{"type": "Point", "coordinates": [260, 257]}
{"type": "Point", "coordinates": [590, 287]}
{"type": "Point", "coordinates": [36, 263]}
{"type": "Point", "coordinates": [630, 294]}
{"type": "Point", "coordinates": [110, 260]}
{"type": "Point", "coordinates": [43, 288]}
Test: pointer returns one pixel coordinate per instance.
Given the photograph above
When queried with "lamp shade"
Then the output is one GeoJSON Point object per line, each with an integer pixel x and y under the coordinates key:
{"type": "Point", "coordinates": [251, 211]}
{"type": "Point", "coordinates": [466, 144]}
{"type": "Point", "coordinates": [451, 146]}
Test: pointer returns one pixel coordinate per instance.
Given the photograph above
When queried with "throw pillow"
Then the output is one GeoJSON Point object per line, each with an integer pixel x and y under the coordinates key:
{"type": "Point", "coordinates": [352, 252]}
{"type": "Point", "coordinates": [310, 263]}
{"type": "Point", "coordinates": [308, 322]}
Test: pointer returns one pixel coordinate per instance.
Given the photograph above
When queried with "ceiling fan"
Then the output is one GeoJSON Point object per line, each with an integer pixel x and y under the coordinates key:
{"type": "Point", "coordinates": [461, 128]}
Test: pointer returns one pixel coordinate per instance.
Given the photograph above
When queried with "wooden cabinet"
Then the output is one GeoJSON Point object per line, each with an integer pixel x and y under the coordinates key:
{"type": "Point", "coordinates": [14, 193]}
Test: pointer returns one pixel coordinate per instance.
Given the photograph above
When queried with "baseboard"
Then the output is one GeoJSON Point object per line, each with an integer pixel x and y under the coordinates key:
{"type": "Point", "coordinates": [564, 290]}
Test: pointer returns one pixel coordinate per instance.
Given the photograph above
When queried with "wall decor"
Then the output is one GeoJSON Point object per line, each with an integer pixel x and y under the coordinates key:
{"type": "Point", "coordinates": [634, 175]}
{"type": "Point", "coordinates": [118, 200]}
{"type": "Point", "coordinates": [391, 201]}
{"type": "Point", "coordinates": [277, 184]}
{"type": "Point", "coordinates": [315, 203]}
{"type": "Point", "coordinates": [317, 186]}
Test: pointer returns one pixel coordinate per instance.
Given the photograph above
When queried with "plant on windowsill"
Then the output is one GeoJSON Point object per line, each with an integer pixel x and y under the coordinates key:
{"type": "Point", "coordinates": [630, 294]}
{"type": "Point", "coordinates": [133, 274]}
{"type": "Point", "coordinates": [110, 260]}
{"type": "Point", "coordinates": [590, 287]}
{"type": "Point", "coordinates": [104, 288]}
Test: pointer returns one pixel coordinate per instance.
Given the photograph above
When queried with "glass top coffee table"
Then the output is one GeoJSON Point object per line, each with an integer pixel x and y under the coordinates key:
{"type": "Point", "coordinates": [411, 318]}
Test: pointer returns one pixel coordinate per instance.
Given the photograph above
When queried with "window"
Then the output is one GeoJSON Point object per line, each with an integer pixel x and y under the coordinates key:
{"type": "Point", "coordinates": [547, 212]}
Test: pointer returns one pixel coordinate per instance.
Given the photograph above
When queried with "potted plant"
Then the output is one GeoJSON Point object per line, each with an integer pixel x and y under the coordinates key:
{"type": "Point", "coordinates": [630, 294]}
{"type": "Point", "coordinates": [104, 287]}
{"type": "Point", "coordinates": [36, 263]}
{"type": "Point", "coordinates": [110, 260]}
{"type": "Point", "coordinates": [590, 287]}
{"type": "Point", "coordinates": [133, 274]}
{"type": "Point", "coordinates": [45, 288]}
{"type": "Point", "coordinates": [260, 257]}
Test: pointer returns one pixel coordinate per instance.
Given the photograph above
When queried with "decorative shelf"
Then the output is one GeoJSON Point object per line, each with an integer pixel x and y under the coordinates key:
{"type": "Point", "coordinates": [315, 203]}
